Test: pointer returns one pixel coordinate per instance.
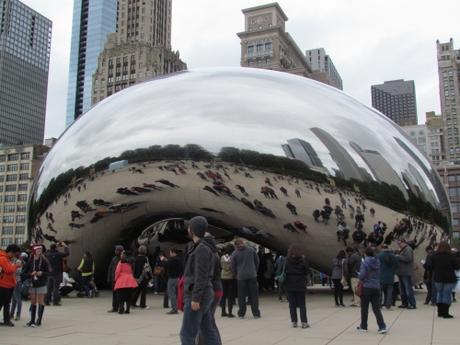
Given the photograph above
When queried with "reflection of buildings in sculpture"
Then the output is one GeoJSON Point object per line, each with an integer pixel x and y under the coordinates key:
{"type": "Point", "coordinates": [380, 167]}
{"type": "Point", "coordinates": [347, 165]}
{"type": "Point", "coordinates": [450, 176]}
{"type": "Point", "coordinates": [426, 193]}
{"type": "Point", "coordinates": [303, 151]}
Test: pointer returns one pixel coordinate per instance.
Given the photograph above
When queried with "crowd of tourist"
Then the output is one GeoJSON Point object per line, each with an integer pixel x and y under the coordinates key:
{"type": "Point", "coordinates": [203, 276]}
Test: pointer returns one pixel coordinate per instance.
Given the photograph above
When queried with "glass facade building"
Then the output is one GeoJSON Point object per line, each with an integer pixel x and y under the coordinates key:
{"type": "Point", "coordinates": [25, 43]}
{"type": "Point", "coordinates": [92, 22]}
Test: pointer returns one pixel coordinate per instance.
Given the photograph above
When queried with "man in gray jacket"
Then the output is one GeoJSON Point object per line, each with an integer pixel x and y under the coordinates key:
{"type": "Point", "coordinates": [198, 289]}
{"type": "Point", "coordinates": [404, 272]}
{"type": "Point", "coordinates": [244, 264]}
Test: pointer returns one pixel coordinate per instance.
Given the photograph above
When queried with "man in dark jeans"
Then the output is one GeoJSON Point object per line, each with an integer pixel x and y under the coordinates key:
{"type": "Point", "coordinates": [174, 269]}
{"type": "Point", "coordinates": [56, 258]}
{"type": "Point", "coordinates": [405, 271]}
{"type": "Point", "coordinates": [198, 291]}
{"type": "Point", "coordinates": [244, 264]}
{"type": "Point", "coordinates": [111, 277]}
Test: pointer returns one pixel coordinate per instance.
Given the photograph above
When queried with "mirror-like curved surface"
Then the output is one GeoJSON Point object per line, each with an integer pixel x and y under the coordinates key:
{"type": "Point", "coordinates": [257, 152]}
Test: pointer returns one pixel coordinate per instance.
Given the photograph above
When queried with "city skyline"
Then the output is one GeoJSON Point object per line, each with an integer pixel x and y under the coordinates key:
{"type": "Point", "coordinates": [356, 52]}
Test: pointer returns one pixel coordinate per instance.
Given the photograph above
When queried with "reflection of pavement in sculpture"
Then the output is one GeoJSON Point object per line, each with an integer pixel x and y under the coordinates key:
{"type": "Point", "coordinates": [227, 196]}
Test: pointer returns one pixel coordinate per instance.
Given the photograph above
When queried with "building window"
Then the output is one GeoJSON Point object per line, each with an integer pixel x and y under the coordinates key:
{"type": "Point", "coordinates": [12, 167]}
{"type": "Point", "coordinates": [22, 197]}
{"type": "Point", "coordinates": [24, 166]}
{"type": "Point", "coordinates": [10, 178]}
{"type": "Point", "coordinates": [21, 208]}
{"type": "Point", "coordinates": [10, 188]}
{"type": "Point", "coordinates": [23, 187]}
{"type": "Point", "coordinates": [7, 241]}
{"type": "Point", "coordinates": [268, 46]}
{"type": "Point", "coordinates": [20, 230]}
{"type": "Point", "coordinates": [9, 209]}
{"type": "Point", "coordinates": [7, 230]}
{"type": "Point", "coordinates": [25, 155]}
{"type": "Point", "coordinates": [13, 157]}
{"type": "Point", "coordinates": [23, 177]}
{"type": "Point", "coordinates": [8, 219]}
{"type": "Point", "coordinates": [20, 218]}
{"type": "Point", "coordinates": [2, 168]}
{"type": "Point", "coordinates": [250, 50]}
{"type": "Point", "coordinates": [2, 158]}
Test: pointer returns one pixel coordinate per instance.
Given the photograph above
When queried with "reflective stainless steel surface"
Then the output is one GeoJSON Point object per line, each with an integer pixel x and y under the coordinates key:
{"type": "Point", "coordinates": [206, 142]}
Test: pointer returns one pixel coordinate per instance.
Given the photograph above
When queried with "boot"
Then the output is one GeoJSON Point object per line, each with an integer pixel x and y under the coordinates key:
{"type": "Point", "coordinates": [41, 309]}
{"type": "Point", "coordinates": [439, 305]}
{"type": "Point", "coordinates": [230, 310]}
{"type": "Point", "coordinates": [224, 313]}
{"type": "Point", "coordinates": [446, 312]}
{"type": "Point", "coordinates": [33, 312]}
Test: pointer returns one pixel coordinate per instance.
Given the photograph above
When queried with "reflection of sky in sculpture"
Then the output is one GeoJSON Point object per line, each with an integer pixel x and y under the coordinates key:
{"type": "Point", "coordinates": [244, 108]}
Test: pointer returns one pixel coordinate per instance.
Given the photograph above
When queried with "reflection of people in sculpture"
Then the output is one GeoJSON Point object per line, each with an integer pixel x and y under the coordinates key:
{"type": "Point", "coordinates": [267, 181]}
{"type": "Point", "coordinates": [299, 225]}
{"type": "Point", "coordinates": [247, 203]}
{"type": "Point", "coordinates": [292, 208]}
{"type": "Point", "coordinates": [284, 191]}
{"type": "Point", "coordinates": [297, 192]}
{"type": "Point", "coordinates": [75, 214]}
{"type": "Point", "coordinates": [209, 189]}
{"type": "Point", "coordinates": [241, 189]}
{"type": "Point", "coordinates": [152, 186]}
{"type": "Point", "coordinates": [316, 215]}
{"type": "Point", "coordinates": [289, 227]}
{"type": "Point", "coordinates": [167, 183]}
{"type": "Point", "coordinates": [201, 175]}
{"type": "Point", "coordinates": [372, 212]}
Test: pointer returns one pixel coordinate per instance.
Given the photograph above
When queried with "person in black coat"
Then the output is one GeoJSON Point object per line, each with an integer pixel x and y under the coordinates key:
{"type": "Point", "coordinates": [143, 274]}
{"type": "Point", "coordinates": [296, 270]}
{"type": "Point", "coordinates": [443, 264]}
{"type": "Point", "coordinates": [111, 277]}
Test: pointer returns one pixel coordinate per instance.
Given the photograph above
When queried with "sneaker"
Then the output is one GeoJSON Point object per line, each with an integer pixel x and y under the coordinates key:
{"type": "Point", "coordinates": [30, 324]}
{"type": "Point", "coordinates": [256, 316]}
{"type": "Point", "coordinates": [9, 324]}
{"type": "Point", "coordinates": [411, 307]}
{"type": "Point", "coordinates": [305, 325]}
{"type": "Point", "coordinates": [230, 315]}
{"type": "Point", "coordinates": [354, 305]}
{"type": "Point", "coordinates": [382, 331]}
{"type": "Point", "coordinates": [402, 306]}
{"type": "Point", "coordinates": [145, 307]}
{"type": "Point", "coordinates": [240, 317]}
{"type": "Point", "coordinates": [359, 329]}
{"type": "Point", "coordinates": [294, 325]}
{"type": "Point", "coordinates": [172, 312]}
{"type": "Point", "coordinates": [57, 304]}
{"type": "Point", "coordinates": [112, 311]}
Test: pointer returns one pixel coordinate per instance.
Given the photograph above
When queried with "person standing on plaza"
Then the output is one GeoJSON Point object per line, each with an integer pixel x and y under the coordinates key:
{"type": "Point", "coordinates": [87, 269]}
{"type": "Point", "coordinates": [174, 269]}
{"type": "Point", "coordinates": [143, 274]}
{"type": "Point", "coordinates": [124, 282]}
{"type": "Point", "coordinates": [198, 290]}
{"type": "Point", "coordinates": [296, 270]}
{"type": "Point", "coordinates": [279, 264]}
{"type": "Point", "coordinates": [352, 265]}
{"type": "Point", "coordinates": [56, 258]}
{"type": "Point", "coordinates": [404, 272]}
{"type": "Point", "coordinates": [336, 276]}
{"type": "Point", "coordinates": [369, 275]}
{"type": "Point", "coordinates": [111, 277]}
{"type": "Point", "coordinates": [38, 268]}
{"type": "Point", "coordinates": [8, 267]}
{"type": "Point", "coordinates": [245, 264]}
{"type": "Point", "coordinates": [16, 302]}
{"type": "Point", "coordinates": [388, 266]}
{"type": "Point", "coordinates": [228, 282]}
{"type": "Point", "coordinates": [428, 277]}
{"type": "Point", "coordinates": [444, 264]}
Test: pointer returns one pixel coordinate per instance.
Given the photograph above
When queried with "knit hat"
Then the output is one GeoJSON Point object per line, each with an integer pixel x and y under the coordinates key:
{"type": "Point", "coordinates": [119, 248]}
{"type": "Point", "coordinates": [198, 226]}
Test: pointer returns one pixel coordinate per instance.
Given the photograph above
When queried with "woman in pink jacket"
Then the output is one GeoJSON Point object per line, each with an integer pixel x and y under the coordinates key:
{"type": "Point", "coordinates": [125, 283]}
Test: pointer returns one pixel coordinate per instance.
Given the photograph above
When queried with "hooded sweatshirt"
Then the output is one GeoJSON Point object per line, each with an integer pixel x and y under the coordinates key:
{"type": "Point", "coordinates": [245, 263]}
{"type": "Point", "coordinates": [369, 273]}
{"type": "Point", "coordinates": [8, 271]}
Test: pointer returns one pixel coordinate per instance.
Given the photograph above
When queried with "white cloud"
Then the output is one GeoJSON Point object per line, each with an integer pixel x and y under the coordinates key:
{"type": "Point", "coordinates": [369, 41]}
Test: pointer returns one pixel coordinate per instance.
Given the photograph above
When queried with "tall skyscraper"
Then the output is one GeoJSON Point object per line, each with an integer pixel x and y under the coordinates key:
{"type": "Point", "coordinates": [139, 50]}
{"type": "Point", "coordinates": [323, 68]}
{"type": "Point", "coordinates": [449, 91]}
{"type": "Point", "coordinates": [266, 44]}
{"type": "Point", "coordinates": [92, 22]}
{"type": "Point", "coordinates": [301, 150]}
{"type": "Point", "coordinates": [396, 99]}
{"type": "Point", "coordinates": [25, 42]}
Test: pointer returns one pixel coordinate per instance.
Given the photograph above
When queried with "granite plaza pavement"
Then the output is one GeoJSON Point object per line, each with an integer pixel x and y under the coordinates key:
{"type": "Point", "coordinates": [86, 321]}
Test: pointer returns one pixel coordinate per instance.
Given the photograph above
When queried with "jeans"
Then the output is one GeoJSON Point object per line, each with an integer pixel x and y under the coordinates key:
{"type": "Point", "coordinates": [387, 295]}
{"type": "Point", "coordinates": [297, 300]}
{"type": "Point", "coordinates": [444, 291]}
{"type": "Point", "coordinates": [338, 291]}
{"type": "Point", "coordinates": [372, 296]}
{"type": "Point", "coordinates": [228, 298]}
{"type": "Point", "coordinates": [214, 305]}
{"type": "Point", "coordinates": [248, 288]}
{"type": "Point", "coordinates": [432, 293]}
{"type": "Point", "coordinates": [172, 292]}
{"type": "Point", "coordinates": [406, 290]}
{"type": "Point", "coordinates": [5, 300]}
{"type": "Point", "coordinates": [53, 289]}
{"type": "Point", "coordinates": [199, 321]}
{"type": "Point", "coordinates": [86, 280]}
{"type": "Point", "coordinates": [16, 302]}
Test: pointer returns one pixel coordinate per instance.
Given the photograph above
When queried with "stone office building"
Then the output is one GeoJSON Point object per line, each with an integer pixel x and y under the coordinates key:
{"type": "Point", "coordinates": [18, 167]}
{"type": "Point", "coordinates": [139, 50]}
{"type": "Point", "coordinates": [266, 44]}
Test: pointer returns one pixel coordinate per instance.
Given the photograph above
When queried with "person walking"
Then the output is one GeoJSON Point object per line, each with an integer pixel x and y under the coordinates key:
{"type": "Point", "coordinates": [87, 269]}
{"type": "Point", "coordinates": [111, 277]}
{"type": "Point", "coordinates": [352, 265]}
{"type": "Point", "coordinates": [296, 270]}
{"type": "Point", "coordinates": [124, 283]}
{"type": "Point", "coordinates": [55, 257]}
{"type": "Point", "coordinates": [174, 269]}
{"type": "Point", "coordinates": [8, 267]}
{"type": "Point", "coordinates": [404, 272]}
{"type": "Point", "coordinates": [198, 290]}
{"type": "Point", "coordinates": [142, 274]}
{"type": "Point", "coordinates": [428, 277]}
{"type": "Point", "coordinates": [369, 275]}
{"type": "Point", "coordinates": [279, 264]}
{"type": "Point", "coordinates": [228, 282]}
{"type": "Point", "coordinates": [388, 266]}
{"type": "Point", "coordinates": [245, 264]}
{"type": "Point", "coordinates": [336, 276]}
{"type": "Point", "coordinates": [444, 263]}
{"type": "Point", "coordinates": [37, 269]}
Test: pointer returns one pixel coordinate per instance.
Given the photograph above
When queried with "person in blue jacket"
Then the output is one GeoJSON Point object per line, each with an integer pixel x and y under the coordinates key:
{"type": "Point", "coordinates": [369, 275]}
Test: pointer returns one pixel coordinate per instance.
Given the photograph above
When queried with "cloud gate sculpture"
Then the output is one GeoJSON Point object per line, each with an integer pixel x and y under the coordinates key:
{"type": "Point", "coordinates": [269, 156]}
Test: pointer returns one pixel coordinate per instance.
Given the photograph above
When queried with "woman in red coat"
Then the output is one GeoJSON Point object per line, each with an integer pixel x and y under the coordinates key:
{"type": "Point", "coordinates": [125, 283]}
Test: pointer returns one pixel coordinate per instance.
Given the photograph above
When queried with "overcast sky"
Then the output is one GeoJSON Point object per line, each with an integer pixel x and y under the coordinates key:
{"type": "Point", "coordinates": [369, 41]}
